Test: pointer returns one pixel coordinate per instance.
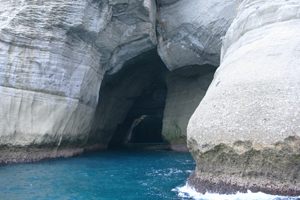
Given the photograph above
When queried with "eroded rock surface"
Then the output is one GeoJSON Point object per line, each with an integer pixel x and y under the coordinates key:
{"type": "Point", "coordinates": [186, 88]}
{"type": "Point", "coordinates": [245, 133]}
{"type": "Point", "coordinates": [53, 55]}
{"type": "Point", "coordinates": [190, 31]}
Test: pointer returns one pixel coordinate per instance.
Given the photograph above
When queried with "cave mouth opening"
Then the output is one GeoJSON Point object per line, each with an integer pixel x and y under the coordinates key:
{"type": "Point", "coordinates": [142, 125]}
{"type": "Point", "coordinates": [136, 96]}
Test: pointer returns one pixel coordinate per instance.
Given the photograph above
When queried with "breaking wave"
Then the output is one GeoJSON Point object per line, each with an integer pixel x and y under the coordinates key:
{"type": "Point", "coordinates": [188, 192]}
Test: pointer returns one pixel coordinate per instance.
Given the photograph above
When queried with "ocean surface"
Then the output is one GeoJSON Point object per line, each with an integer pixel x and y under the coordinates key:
{"type": "Point", "coordinates": [111, 175]}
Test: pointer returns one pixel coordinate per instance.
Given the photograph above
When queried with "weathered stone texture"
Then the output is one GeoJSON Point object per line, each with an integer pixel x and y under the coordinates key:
{"type": "Point", "coordinates": [190, 31]}
{"type": "Point", "coordinates": [186, 88]}
{"type": "Point", "coordinates": [255, 98]}
{"type": "Point", "coordinates": [53, 55]}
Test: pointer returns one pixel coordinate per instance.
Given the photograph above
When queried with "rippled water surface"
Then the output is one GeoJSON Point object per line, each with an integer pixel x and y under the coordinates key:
{"type": "Point", "coordinates": [106, 175]}
{"type": "Point", "coordinates": [113, 175]}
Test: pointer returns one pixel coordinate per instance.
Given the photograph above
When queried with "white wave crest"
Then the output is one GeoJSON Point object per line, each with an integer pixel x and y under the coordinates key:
{"type": "Point", "coordinates": [190, 193]}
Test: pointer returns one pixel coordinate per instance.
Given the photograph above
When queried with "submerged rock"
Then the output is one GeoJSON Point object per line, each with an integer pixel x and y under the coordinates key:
{"type": "Point", "coordinates": [245, 134]}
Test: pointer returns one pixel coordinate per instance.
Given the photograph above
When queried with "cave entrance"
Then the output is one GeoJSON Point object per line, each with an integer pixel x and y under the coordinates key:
{"type": "Point", "coordinates": [132, 103]}
{"type": "Point", "coordinates": [143, 124]}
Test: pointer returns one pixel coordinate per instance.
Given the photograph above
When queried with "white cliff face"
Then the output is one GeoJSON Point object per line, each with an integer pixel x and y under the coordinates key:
{"type": "Point", "coordinates": [255, 94]}
{"type": "Point", "coordinates": [53, 55]}
{"type": "Point", "coordinates": [190, 31]}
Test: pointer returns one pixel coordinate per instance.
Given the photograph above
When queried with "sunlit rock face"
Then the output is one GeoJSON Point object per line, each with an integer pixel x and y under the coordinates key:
{"type": "Point", "coordinates": [245, 134]}
{"type": "Point", "coordinates": [53, 55]}
{"type": "Point", "coordinates": [190, 31]}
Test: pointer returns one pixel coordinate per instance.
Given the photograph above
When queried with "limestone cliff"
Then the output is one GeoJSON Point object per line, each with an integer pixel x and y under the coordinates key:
{"type": "Point", "coordinates": [53, 55]}
{"type": "Point", "coordinates": [186, 88]}
{"type": "Point", "coordinates": [190, 31]}
{"type": "Point", "coordinates": [72, 70]}
{"type": "Point", "coordinates": [245, 134]}
{"type": "Point", "coordinates": [189, 43]}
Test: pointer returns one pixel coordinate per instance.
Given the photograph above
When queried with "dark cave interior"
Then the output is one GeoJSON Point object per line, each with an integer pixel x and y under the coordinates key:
{"type": "Point", "coordinates": [143, 122]}
{"type": "Point", "coordinates": [132, 103]}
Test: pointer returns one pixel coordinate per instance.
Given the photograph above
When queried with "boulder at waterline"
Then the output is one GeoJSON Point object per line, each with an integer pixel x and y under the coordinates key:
{"type": "Point", "coordinates": [245, 134]}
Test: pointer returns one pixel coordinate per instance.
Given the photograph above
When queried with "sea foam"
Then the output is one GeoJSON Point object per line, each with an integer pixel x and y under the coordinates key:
{"type": "Point", "coordinates": [189, 192]}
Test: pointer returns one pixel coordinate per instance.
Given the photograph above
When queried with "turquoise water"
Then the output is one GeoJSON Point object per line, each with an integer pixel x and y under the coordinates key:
{"type": "Point", "coordinates": [103, 176]}
{"type": "Point", "coordinates": [112, 175]}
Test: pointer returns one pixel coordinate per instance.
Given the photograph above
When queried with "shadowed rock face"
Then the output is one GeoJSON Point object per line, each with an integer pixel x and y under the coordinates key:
{"type": "Point", "coordinates": [186, 88]}
{"type": "Point", "coordinates": [189, 43]}
{"type": "Point", "coordinates": [140, 89]}
{"type": "Point", "coordinates": [190, 31]}
{"type": "Point", "coordinates": [254, 101]}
